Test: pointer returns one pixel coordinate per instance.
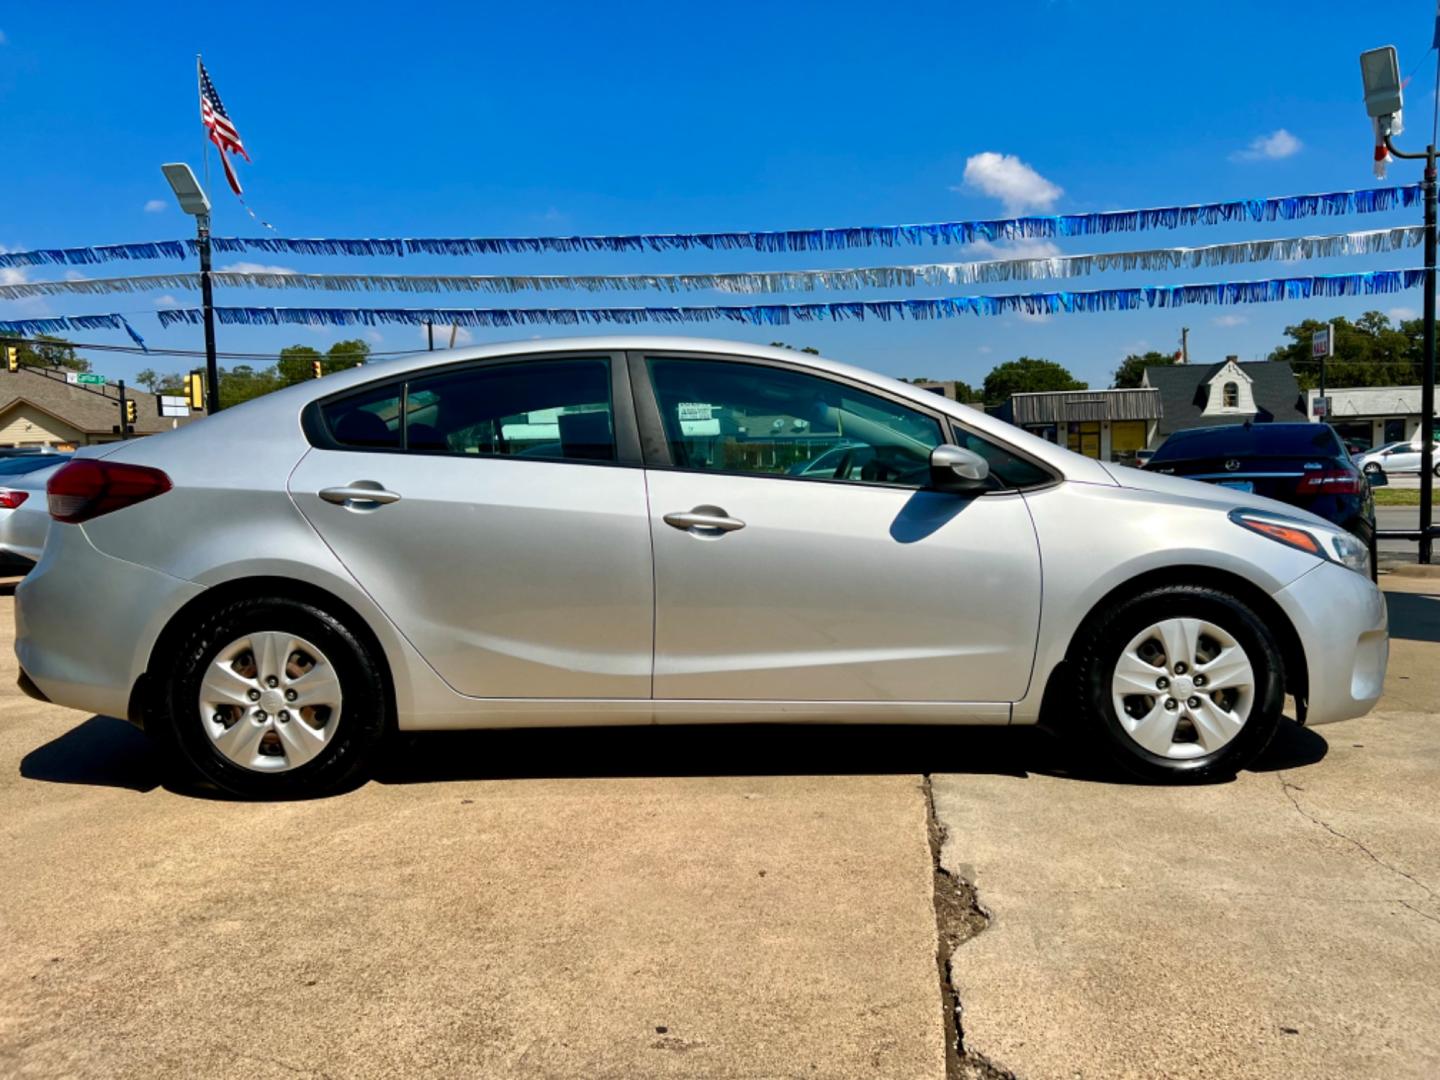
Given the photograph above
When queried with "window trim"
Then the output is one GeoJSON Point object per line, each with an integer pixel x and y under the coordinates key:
{"type": "Point", "coordinates": [622, 409]}
{"type": "Point", "coordinates": [656, 445]}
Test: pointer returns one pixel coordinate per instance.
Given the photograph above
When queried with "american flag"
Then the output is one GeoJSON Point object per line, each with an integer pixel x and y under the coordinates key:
{"type": "Point", "coordinates": [223, 132]}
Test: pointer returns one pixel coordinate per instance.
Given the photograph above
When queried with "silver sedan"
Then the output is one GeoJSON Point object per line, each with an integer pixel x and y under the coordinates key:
{"type": "Point", "coordinates": [623, 530]}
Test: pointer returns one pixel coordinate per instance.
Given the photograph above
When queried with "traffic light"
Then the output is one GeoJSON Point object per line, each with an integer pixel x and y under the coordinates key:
{"type": "Point", "coordinates": [130, 412]}
{"type": "Point", "coordinates": [315, 366]}
{"type": "Point", "coordinates": [195, 389]}
{"type": "Point", "coordinates": [12, 357]}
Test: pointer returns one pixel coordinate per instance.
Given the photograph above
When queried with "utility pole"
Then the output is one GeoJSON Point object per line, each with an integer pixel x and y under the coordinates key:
{"type": "Point", "coordinates": [1427, 361]}
{"type": "Point", "coordinates": [1184, 345]}
{"type": "Point", "coordinates": [207, 304]}
{"type": "Point", "coordinates": [430, 335]}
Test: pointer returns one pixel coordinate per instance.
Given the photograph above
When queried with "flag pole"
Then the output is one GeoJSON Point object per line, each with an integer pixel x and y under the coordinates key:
{"type": "Point", "coordinates": [205, 149]}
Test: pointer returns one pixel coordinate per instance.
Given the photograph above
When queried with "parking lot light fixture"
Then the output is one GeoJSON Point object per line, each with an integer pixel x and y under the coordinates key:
{"type": "Point", "coordinates": [193, 200]}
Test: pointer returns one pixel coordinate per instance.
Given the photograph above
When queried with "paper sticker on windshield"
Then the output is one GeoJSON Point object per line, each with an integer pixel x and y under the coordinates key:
{"type": "Point", "coordinates": [694, 410]}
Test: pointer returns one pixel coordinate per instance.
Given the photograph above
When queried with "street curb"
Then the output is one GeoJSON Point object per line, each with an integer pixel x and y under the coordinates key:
{"type": "Point", "coordinates": [1429, 570]}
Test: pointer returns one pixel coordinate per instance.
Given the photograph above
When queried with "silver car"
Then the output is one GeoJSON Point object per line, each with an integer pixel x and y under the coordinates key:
{"type": "Point", "coordinates": [608, 531]}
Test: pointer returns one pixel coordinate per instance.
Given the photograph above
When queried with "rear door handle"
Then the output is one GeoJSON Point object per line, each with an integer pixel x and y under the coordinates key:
{"type": "Point", "coordinates": [703, 520]}
{"type": "Point", "coordinates": [361, 491]}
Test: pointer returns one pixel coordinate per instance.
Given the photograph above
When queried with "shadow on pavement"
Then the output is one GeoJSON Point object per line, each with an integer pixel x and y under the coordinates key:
{"type": "Point", "coordinates": [1414, 616]}
{"type": "Point", "coordinates": [107, 752]}
{"type": "Point", "coordinates": [102, 751]}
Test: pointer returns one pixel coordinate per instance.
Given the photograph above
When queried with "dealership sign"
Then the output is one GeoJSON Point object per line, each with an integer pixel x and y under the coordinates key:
{"type": "Point", "coordinates": [1322, 342]}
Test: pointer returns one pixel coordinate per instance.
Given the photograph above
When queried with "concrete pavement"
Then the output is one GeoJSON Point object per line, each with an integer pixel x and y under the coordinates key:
{"type": "Point", "coordinates": [643, 903]}
{"type": "Point", "coordinates": [1283, 925]}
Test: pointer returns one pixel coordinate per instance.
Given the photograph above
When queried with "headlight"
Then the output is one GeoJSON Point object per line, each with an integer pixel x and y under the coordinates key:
{"type": "Point", "coordinates": [1322, 541]}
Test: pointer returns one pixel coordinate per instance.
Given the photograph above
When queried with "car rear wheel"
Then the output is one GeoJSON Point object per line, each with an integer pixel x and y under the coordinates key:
{"type": "Point", "coordinates": [272, 697]}
{"type": "Point", "coordinates": [1181, 683]}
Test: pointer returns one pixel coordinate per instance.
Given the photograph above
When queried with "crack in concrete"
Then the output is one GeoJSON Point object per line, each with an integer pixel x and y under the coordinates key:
{"type": "Point", "coordinates": [1289, 789]}
{"type": "Point", "coordinates": [959, 916]}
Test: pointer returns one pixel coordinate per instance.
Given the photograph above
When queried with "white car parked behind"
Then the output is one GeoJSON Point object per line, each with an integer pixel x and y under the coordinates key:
{"type": "Point", "coordinates": [1398, 457]}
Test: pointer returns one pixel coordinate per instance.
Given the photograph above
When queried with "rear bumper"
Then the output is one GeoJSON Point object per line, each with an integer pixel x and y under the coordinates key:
{"type": "Point", "coordinates": [1341, 620]}
{"type": "Point", "coordinates": [85, 622]}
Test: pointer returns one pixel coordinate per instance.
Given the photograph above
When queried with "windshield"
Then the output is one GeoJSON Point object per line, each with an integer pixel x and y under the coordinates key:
{"type": "Point", "coordinates": [1251, 440]}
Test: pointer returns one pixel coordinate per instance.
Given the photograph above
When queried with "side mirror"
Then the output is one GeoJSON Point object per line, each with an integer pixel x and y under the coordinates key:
{"type": "Point", "coordinates": [958, 471]}
{"type": "Point", "coordinates": [1378, 479]}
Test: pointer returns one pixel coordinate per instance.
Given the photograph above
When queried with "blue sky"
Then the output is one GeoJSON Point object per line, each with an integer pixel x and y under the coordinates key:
{"type": "Point", "coordinates": [369, 119]}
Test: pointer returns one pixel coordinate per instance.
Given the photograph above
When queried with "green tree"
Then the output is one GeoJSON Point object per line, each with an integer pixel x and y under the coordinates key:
{"type": "Point", "coordinates": [1027, 375]}
{"type": "Point", "coordinates": [45, 351]}
{"type": "Point", "coordinates": [805, 349]}
{"type": "Point", "coordinates": [346, 354]}
{"type": "Point", "coordinates": [1368, 352]}
{"type": "Point", "coordinates": [296, 364]}
{"type": "Point", "coordinates": [1132, 369]}
{"type": "Point", "coordinates": [243, 383]}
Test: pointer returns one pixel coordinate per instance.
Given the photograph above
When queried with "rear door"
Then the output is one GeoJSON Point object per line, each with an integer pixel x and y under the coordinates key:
{"type": "Point", "coordinates": [775, 581]}
{"type": "Point", "coordinates": [496, 512]}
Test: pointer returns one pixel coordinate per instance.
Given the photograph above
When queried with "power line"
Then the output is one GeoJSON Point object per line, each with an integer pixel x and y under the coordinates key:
{"type": "Point", "coordinates": [161, 351]}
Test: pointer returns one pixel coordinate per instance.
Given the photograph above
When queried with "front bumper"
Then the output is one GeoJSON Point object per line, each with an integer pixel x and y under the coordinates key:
{"type": "Point", "coordinates": [1341, 621]}
{"type": "Point", "coordinates": [85, 622]}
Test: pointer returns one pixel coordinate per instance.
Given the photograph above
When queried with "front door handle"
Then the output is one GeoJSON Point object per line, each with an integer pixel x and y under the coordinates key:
{"type": "Point", "coordinates": [703, 521]}
{"type": "Point", "coordinates": [361, 491]}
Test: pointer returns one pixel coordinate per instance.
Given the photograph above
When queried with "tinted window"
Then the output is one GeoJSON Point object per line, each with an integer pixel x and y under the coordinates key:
{"type": "Point", "coordinates": [1010, 470]}
{"type": "Point", "coordinates": [748, 418]}
{"type": "Point", "coordinates": [369, 420]}
{"type": "Point", "coordinates": [1251, 440]}
{"type": "Point", "coordinates": [543, 409]}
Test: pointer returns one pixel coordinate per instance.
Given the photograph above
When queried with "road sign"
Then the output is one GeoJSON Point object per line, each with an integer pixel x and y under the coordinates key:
{"type": "Point", "coordinates": [1322, 343]}
{"type": "Point", "coordinates": [170, 405]}
{"type": "Point", "coordinates": [89, 378]}
{"type": "Point", "coordinates": [1320, 407]}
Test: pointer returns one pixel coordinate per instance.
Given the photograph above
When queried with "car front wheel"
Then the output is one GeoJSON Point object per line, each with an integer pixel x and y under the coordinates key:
{"type": "Point", "coordinates": [1372, 468]}
{"type": "Point", "coordinates": [272, 697]}
{"type": "Point", "coordinates": [1181, 683]}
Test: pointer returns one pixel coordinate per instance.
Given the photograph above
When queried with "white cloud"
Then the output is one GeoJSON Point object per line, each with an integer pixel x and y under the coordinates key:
{"type": "Point", "coordinates": [985, 350]}
{"type": "Point", "coordinates": [166, 301]}
{"type": "Point", "coordinates": [442, 336]}
{"type": "Point", "coordinates": [1278, 144]}
{"type": "Point", "coordinates": [1230, 320]}
{"type": "Point", "coordinates": [1021, 248]}
{"type": "Point", "coordinates": [156, 206]}
{"type": "Point", "coordinates": [1401, 314]}
{"type": "Point", "coordinates": [374, 337]}
{"type": "Point", "coordinates": [256, 268]}
{"type": "Point", "coordinates": [76, 275]}
{"type": "Point", "coordinates": [1014, 183]}
{"type": "Point", "coordinates": [12, 275]}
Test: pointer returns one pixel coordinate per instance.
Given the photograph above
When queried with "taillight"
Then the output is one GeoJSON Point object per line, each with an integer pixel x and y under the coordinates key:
{"type": "Point", "coordinates": [10, 499]}
{"type": "Point", "coordinates": [1331, 482]}
{"type": "Point", "coordinates": [87, 488]}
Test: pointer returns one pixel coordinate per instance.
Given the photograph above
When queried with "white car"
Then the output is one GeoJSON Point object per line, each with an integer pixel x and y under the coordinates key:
{"type": "Point", "coordinates": [24, 516]}
{"type": "Point", "coordinates": [1398, 457]}
{"type": "Point", "coordinates": [603, 531]}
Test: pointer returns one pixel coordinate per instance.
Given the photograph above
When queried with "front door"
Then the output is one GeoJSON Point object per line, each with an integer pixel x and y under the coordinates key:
{"type": "Point", "coordinates": [798, 558]}
{"type": "Point", "coordinates": [489, 511]}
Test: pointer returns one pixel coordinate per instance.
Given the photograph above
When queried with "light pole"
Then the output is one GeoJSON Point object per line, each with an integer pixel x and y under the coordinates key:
{"type": "Point", "coordinates": [193, 200]}
{"type": "Point", "coordinates": [1380, 71]}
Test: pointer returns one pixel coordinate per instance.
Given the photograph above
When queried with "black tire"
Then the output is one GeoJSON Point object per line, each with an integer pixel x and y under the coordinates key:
{"type": "Point", "coordinates": [363, 723]}
{"type": "Point", "coordinates": [1101, 643]}
{"type": "Point", "coordinates": [1373, 469]}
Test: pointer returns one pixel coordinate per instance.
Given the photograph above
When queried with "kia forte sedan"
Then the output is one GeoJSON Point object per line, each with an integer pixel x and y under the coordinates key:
{"type": "Point", "coordinates": [610, 531]}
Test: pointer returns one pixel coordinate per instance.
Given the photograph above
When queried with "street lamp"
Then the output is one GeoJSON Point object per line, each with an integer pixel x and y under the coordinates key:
{"type": "Point", "coordinates": [1380, 72]}
{"type": "Point", "coordinates": [192, 199]}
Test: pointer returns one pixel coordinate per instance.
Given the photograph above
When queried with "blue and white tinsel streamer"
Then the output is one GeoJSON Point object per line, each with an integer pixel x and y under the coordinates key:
{"type": "Point", "coordinates": [1048, 303]}
{"type": "Point", "coordinates": [1289, 249]}
{"type": "Point", "coordinates": [1281, 208]}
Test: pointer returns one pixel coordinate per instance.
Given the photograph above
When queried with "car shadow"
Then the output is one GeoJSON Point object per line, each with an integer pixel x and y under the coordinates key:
{"type": "Point", "coordinates": [1414, 616]}
{"type": "Point", "coordinates": [107, 752]}
{"type": "Point", "coordinates": [102, 752]}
